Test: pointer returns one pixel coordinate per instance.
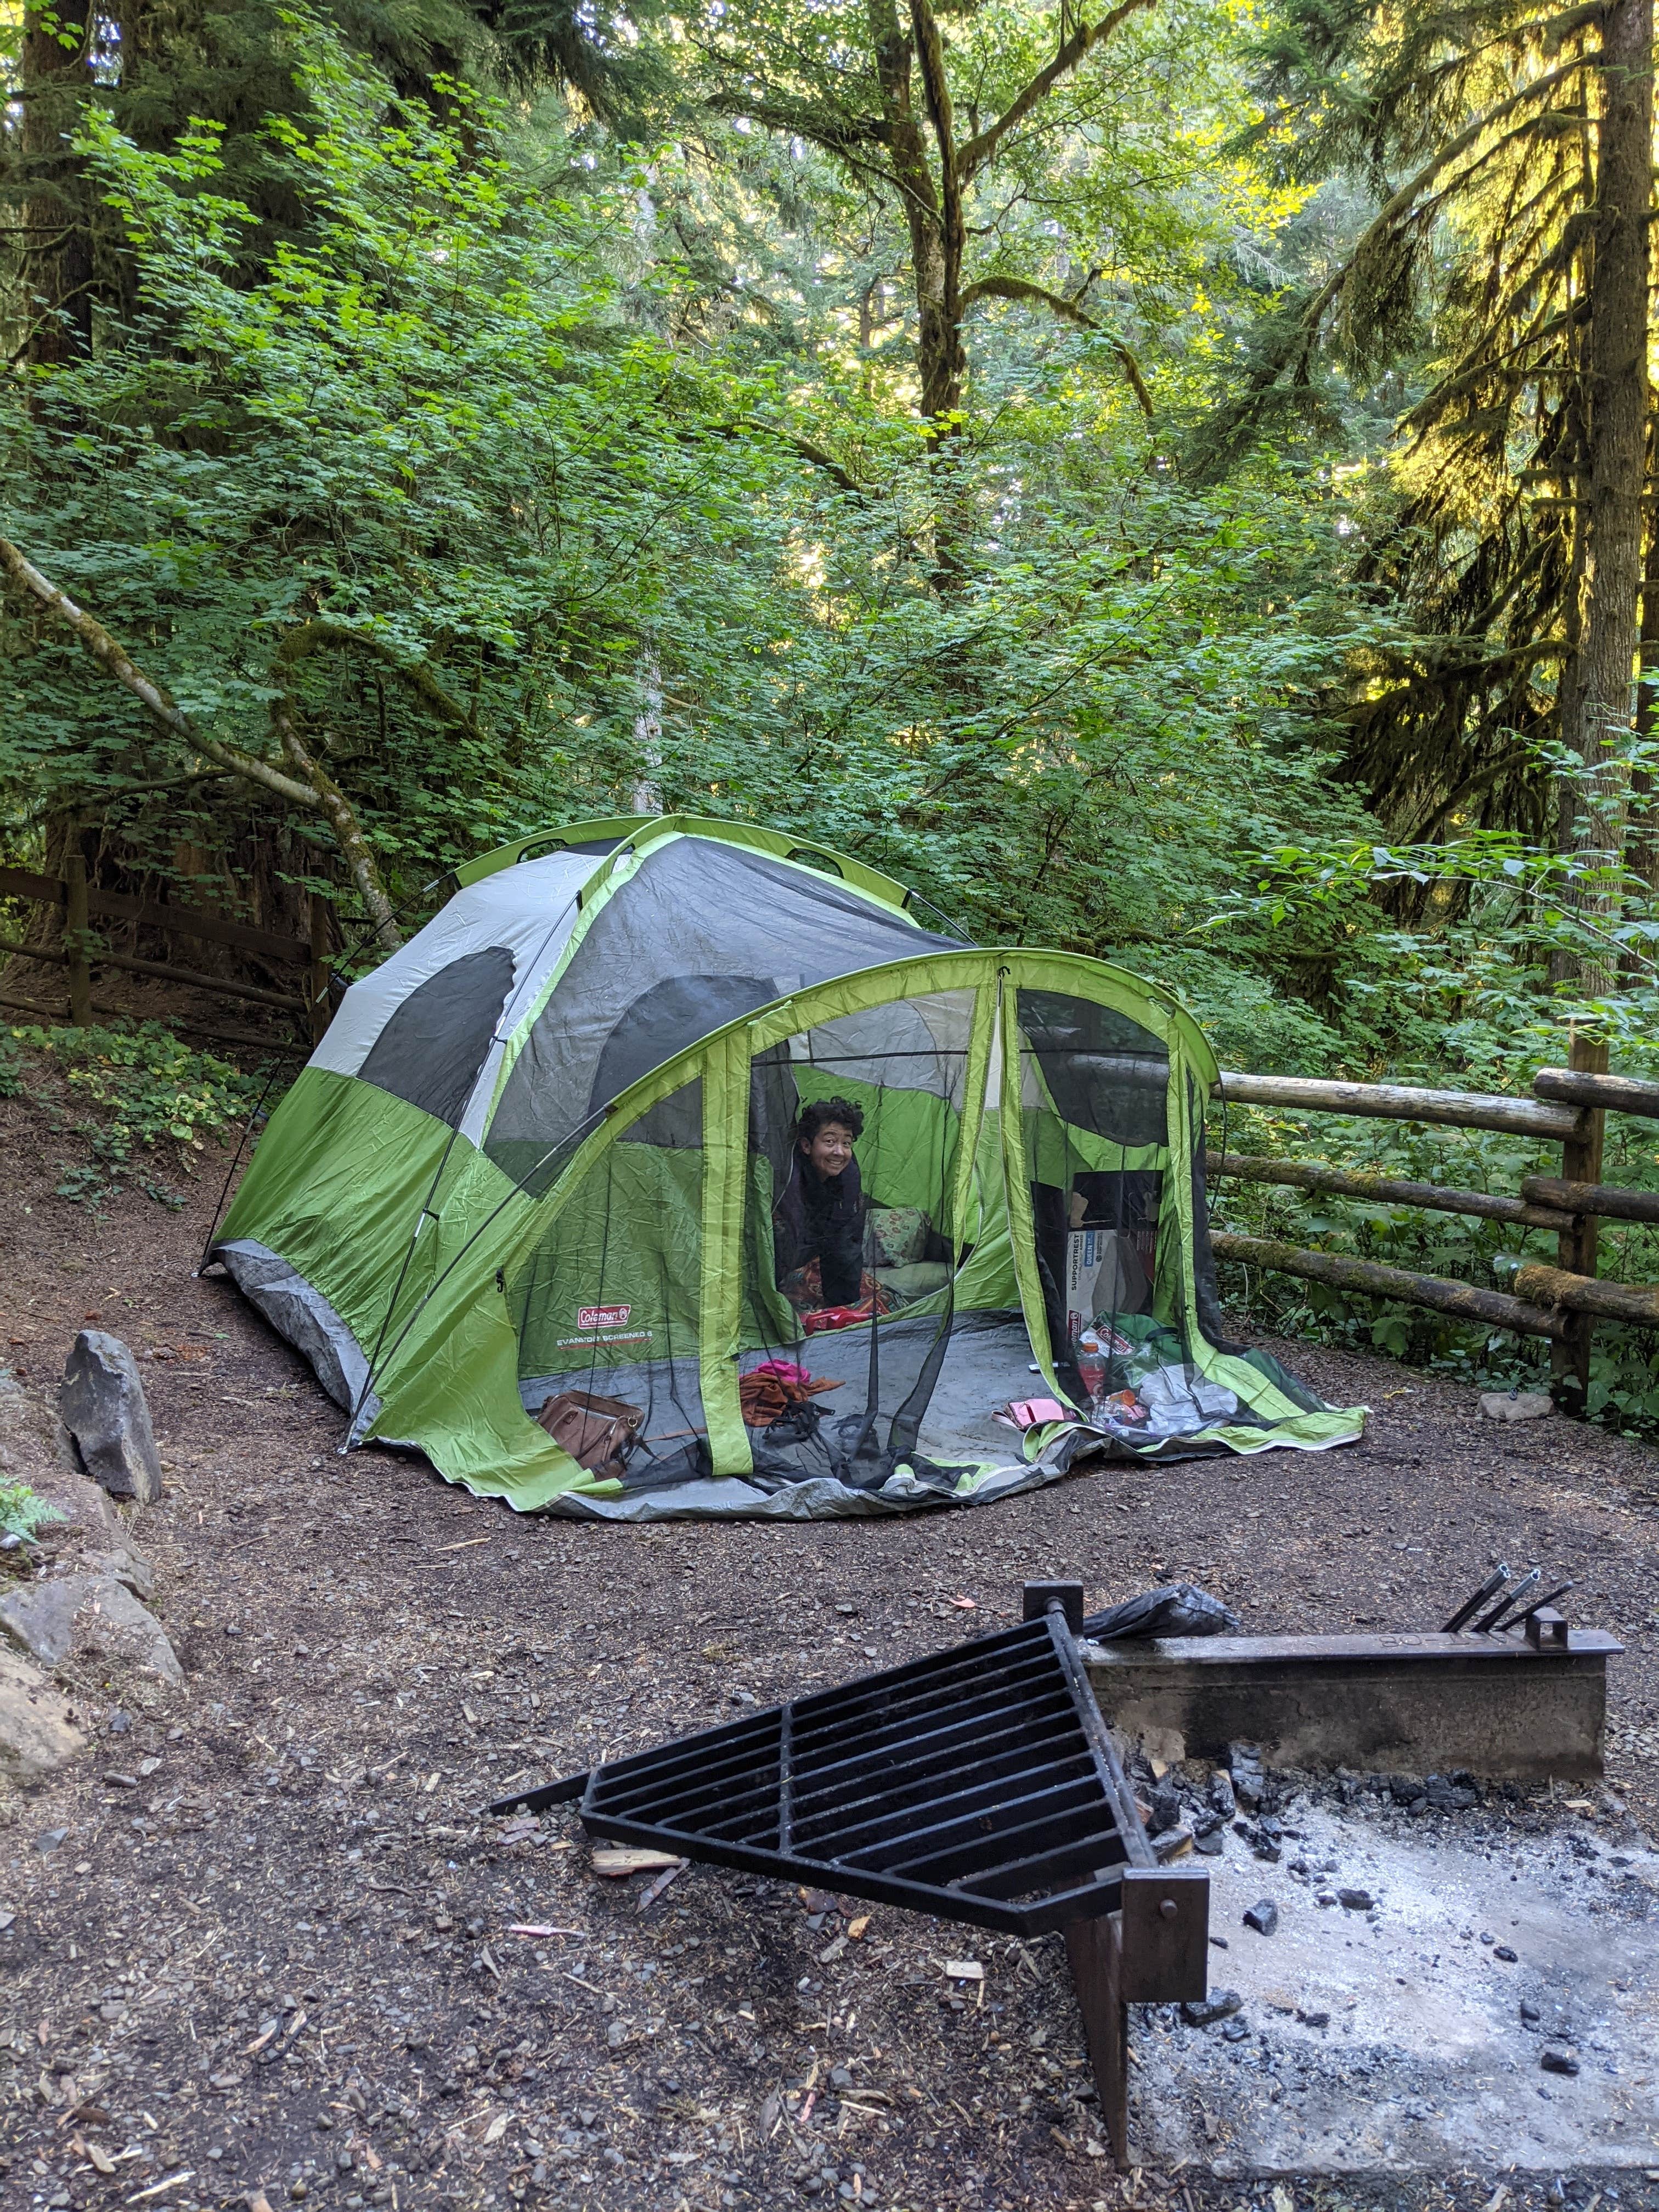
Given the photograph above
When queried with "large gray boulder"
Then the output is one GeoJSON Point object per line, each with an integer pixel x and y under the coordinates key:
{"type": "Point", "coordinates": [88, 1616]}
{"type": "Point", "coordinates": [36, 1726]}
{"type": "Point", "coordinates": [102, 1404]}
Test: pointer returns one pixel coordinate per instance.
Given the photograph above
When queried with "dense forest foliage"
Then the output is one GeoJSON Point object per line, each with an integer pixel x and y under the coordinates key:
{"type": "Point", "coordinates": [1167, 479]}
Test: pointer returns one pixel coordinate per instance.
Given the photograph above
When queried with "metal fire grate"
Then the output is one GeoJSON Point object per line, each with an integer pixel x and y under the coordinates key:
{"type": "Point", "coordinates": [980, 1784]}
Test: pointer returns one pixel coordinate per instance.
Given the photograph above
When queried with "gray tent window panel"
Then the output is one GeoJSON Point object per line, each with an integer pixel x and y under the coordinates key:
{"type": "Point", "coordinates": [431, 1050]}
{"type": "Point", "coordinates": [703, 932]}
{"type": "Point", "coordinates": [666, 1018]}
{"type": "Point", "coordinates": [1104, 1073]}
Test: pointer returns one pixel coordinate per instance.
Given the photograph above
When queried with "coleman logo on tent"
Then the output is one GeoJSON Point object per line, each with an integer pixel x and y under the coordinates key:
{"type": "Point", "coordinates": [602, 1316]}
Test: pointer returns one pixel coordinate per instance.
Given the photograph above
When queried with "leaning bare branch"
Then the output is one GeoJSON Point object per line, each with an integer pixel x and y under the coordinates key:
{"type": "Point", "coordinates": [1016, 288]}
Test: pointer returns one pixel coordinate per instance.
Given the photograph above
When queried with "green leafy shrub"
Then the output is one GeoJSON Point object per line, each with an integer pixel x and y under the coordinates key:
{"type": "Point", "coordinates": [22, 1511]}
{"type": "Point", "coordinates": [145, 1093]}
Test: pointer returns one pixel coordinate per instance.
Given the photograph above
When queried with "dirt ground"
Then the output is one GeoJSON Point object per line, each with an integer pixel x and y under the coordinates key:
{"type": "Point", "coordinates": [261, 1941]}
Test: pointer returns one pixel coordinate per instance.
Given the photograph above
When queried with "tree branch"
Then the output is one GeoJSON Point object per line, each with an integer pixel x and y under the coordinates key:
{"type": "Point", "coordinates": [979, 150]}
{"type": "Point", "coordinates": [936, 90]}
{"type": "Point", "coordinates": [318, 635]}
{"type": "Point", "coordinates": [836, 134]}
{"type": "Point", "coordinates": [1016, 287]}
{"type": "Point", "coordinates": [337, 809]}
{"type": "Point", "coordinates": [113, 658]}
{"type": "Point", "coordinates": [805, 447]}
{"type": "Point", "coordinates": [317, 793]}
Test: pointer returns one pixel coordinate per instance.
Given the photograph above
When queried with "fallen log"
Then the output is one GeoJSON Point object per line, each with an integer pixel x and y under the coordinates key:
{"type": "Point", "coordinates": [1616, 1094]}
{"type": "Point", "coordinates": [1390, 1190]}
{"type": "Point", "coordinates": [48, 956]}
{"type": "Point", "coordinates": [1554, 1288]}
{"type": "Point", "coordinates": [1464, 1301]}
{"type": "Point", "coordinates": [1604, 1198]}
{"type": "Point", "coordinates": [1400, 1102]}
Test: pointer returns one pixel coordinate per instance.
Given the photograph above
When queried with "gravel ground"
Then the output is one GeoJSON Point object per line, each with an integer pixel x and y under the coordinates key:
{"type": "Point", "coordinates": [274, 1950]}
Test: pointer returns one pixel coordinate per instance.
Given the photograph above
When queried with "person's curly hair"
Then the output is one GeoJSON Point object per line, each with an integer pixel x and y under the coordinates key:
{"type": "Point", "coordinates": [821, 1112]}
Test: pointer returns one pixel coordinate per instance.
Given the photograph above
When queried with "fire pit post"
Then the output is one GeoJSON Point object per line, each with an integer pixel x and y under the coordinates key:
{"type": "Point", "coordinates": [1154, 1949]}
{"type": "Point", "coordinates": [1094, 1948]}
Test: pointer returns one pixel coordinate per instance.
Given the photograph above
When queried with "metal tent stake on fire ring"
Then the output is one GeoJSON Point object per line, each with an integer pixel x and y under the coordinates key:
{"type": "Point", "coordinates": [980, 1784]}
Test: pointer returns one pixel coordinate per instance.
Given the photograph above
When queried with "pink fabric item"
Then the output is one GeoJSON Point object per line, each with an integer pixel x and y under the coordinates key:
{"type": "Point", "coordinates": [785, 1369]}
{"type": "Point", "coordinates": [1032, 1412]}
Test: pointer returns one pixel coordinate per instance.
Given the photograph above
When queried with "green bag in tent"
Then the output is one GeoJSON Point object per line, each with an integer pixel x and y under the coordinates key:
{"type": "Point", "coordinates": [538, 1178]}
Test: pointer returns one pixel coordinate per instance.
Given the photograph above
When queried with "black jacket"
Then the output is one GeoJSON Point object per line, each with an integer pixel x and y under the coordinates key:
{"type": "Point", "coordinates": [822, 1217]}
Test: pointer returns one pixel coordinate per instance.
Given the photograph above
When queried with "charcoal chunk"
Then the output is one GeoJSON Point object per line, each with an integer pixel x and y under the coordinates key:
{"type": "Point", "coordinates": [1204, 2012]}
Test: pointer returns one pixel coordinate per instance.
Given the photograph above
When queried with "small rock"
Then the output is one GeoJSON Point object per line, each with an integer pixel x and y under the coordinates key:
{"type": "Point", "coordinates": [1530, 2014]}
{"type": "Point", "coordinates": [1210, 1844]}
{"type": "Point", "coordinates": [1219, 1792]}
{"type": "Point", "coordinates": [1558, 2058]}
{"type": "Point", "coordinates": [1519, 1405]}
{"type": "Point", "coordinates": [1313, 2019]}
{"type": "Point", "coordinates": [1234, 2031]}
{"type": "Point", "coordinates": [1503, 1952]}
{"type": "Point", "coordinates": [104, 1409]}
{"type": "Point", "coordinates": [1204, 2012]}
{"type": "Point", "coordinates": [124, 1566]}
{"type": "Point", "coordinates": [1263, 1916]}
{"type": "Point", "coordinates": [48, 1840]}
{"type": "Point", "coordinates": [616, 2034]}
{"type": "Point", "coordinates": [1355, 1900]}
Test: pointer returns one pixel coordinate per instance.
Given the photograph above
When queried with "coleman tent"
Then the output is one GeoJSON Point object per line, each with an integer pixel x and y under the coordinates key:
{"type": "Point", "coordinates": [537, 1207]}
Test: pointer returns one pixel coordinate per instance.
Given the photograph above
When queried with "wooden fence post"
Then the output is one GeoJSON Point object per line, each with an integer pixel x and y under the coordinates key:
{"type": "Point", "coordinates": [321, 1012]}
{"type": "Point", "coordinates": [1576, 1248]}
{"type": "Point", "coordinates": [74, 938]}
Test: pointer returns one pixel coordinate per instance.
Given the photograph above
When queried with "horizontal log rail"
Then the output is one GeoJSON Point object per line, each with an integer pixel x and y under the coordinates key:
{"type": "Point", "coordinates": [58, 1016]}
{"type": "Point", "coordinates": [1555, 1288]}
{"type": "Point", "coordinates": [1400, 1102]}
{"type": "Point", "coordinates": [1614, 1094]}
{"type": "Point", "coordinates": [1464, 1301]}
{"type": "Point", "coordinates": [186, 921]}
{"type": "Point", "coordinates": [48, 956]}
{"type": "Point", "coordinates": [1522, 1213]}
{"type": "Point", "coordinates": [1604, 1199]}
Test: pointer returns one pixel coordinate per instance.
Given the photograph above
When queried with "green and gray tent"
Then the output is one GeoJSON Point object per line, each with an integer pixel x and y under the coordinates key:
{"type": "Point", "coordinates": [537, 1160]}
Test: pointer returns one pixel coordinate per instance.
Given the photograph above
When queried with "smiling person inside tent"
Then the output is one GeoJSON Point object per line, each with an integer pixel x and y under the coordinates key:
{"type": "Point", "coordinates": [818, 1225]}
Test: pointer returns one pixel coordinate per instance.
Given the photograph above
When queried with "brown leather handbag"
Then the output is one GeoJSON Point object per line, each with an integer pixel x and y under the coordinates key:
{"type": "Point", "coordinates": [598, 1433]}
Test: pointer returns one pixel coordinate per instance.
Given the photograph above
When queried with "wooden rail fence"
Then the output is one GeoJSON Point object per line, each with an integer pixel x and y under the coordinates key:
{"type": "Point", "coordinates": [81, 952]}
{"type": "Point", "coordinates": [1569, 1107]}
